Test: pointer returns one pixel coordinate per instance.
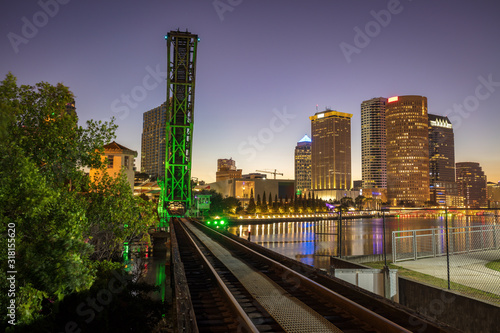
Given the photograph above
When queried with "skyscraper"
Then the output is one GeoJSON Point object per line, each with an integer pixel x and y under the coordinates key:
{"type": "Point", "coordinates": [224, 164]}
{"type": "Point", "coordinates": [331, 151]}
{"type": "Point", "coordinates": [441, 160]}
{"type": "Point", "coordinates": [153, 145]}
{"type": "Point", "coordinates": [303, 164]}
{"type": "Point", "coordinates": [226, 169]}
{"type": "Point", "coordinates": [373, 143]}
{"type": "Point", "coordinates": [471, 182]}
{"type": "Point", "coordinates": [407, 150]}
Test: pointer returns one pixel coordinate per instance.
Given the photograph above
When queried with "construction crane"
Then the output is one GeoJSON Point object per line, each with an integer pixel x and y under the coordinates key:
{"type": "Point", "coordinates": [271, 172]}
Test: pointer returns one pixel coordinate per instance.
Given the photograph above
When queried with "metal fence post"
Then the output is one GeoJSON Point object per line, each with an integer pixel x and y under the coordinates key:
{"type": "Point", "coordinates": [339, 234]}
{"type": "Point", "coordinates": [495, 236]}
{"type": "Point", "coordinates": [447, 248]}
{"type": "Point", "coordinates": [467, 240]}
{"type": "Point", "coordinates": [383, 239]}
{"type": "Point", "coordinates": [414, 245]}
{"type": "Point", "coordinates": [394, 245]}
{"type": "Point", "coordinates": [434, 242]}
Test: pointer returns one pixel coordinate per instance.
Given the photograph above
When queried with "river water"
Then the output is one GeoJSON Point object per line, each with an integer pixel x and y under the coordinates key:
{"type": "Point", "coordinates": [313, 242]}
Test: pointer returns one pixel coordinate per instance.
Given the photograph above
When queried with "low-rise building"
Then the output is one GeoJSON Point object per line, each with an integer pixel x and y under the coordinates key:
{"type": "Point", "coordinates": [119, 158]}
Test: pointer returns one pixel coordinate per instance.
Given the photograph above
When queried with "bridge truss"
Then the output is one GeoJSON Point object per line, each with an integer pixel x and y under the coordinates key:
{"type": "Point", "coordinates": [175, 195]}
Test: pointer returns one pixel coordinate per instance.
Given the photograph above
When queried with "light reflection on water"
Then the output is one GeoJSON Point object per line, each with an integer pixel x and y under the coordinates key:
{"type": "Point", "coordinates": [314, 242]}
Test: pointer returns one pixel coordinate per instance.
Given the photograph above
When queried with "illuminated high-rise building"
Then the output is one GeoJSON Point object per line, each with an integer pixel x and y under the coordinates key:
{"type": "Point", "coordinates": [153, 144]}
{"type": "Point", "coordinates": [471, 182]}
{"type": "Point", "coordinates": [493, 194]}
{"type": "Point", "coordinates": [407, 150]}
{"type": "Point", "coordinates": [303, 164]}
{"type": "Point", "coordinates": [224, 164]}
{"type": "Point", "coordinates": [331, 151]}
{"type": "Point", "coordinates": [441, 161]}
{"type": "Point", "coordinates": [373, 143]}
{"type": "Point", "coordinates": [226, 169]}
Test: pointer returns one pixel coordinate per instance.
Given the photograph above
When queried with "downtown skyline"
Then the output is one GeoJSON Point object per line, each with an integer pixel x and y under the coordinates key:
{"type": "Point", "coordinates": [263, 67]}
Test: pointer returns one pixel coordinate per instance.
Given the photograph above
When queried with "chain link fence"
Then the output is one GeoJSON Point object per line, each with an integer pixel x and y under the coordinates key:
{"type": "Point", "coordinates": [465, 252]}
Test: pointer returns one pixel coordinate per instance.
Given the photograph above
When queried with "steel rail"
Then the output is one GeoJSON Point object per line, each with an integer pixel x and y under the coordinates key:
{"type": "Point", "coordinates": [358, 311]}
{"type": "Point", "coordinates": [246, 321]}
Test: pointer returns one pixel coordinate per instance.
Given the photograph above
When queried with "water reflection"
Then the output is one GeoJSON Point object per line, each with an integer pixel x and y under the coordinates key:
{"type": "Point", "coordinates": [314, 242]}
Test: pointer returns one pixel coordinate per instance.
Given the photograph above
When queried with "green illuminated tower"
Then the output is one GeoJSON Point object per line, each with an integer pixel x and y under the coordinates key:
{"type": "Point", "coordinates": [175, 196]}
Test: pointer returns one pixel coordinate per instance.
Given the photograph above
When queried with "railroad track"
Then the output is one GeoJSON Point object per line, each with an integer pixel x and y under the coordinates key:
{"type": "Point", "coordinates": [233, 288]}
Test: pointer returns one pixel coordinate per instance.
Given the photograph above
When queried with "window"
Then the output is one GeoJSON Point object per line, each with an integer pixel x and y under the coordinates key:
{"type": "Point", "coordinates": [110, 161]}
{"type": "Point", "coordinates": [126, 162]}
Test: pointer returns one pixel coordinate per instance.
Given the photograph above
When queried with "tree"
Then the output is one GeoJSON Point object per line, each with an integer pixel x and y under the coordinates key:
{"type": "Point", "coordinates": [251, 204]}
{"type": "Point", "coordinates": [44, 194]}
{"type": "Point", "coordinates": [232, 205]}
{"type": "Point", "coordinates": [263, 208]}
{"type": "Point", "coordinates": [295, 203]}
{"type": "Point", "coordinates": [51, 253]}
{"type": "Point", "coordinates": [346, 203]}
{"type": "Point", "coordinates": [216, 202]}
{"type": "Point", "coordinates": [116, 216]}
{"type": "Point", "coordinates": [359, 201]}
{"type": "Point", "coordinates": [49, 135]}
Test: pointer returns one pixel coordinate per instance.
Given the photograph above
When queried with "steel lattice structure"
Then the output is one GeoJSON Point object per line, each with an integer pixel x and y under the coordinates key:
{"type": "Point", "coordinates": [175, 196]}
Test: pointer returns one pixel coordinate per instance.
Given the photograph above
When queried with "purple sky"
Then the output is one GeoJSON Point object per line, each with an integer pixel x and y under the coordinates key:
{"type": "Point", "coordinates": [263, 66]}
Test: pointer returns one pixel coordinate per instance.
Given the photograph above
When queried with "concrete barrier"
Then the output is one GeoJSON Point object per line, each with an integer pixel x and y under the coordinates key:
{"type": "Point", "coordinates": [464, 313]}
{"type": "Point", "coordinates": [368, 258]}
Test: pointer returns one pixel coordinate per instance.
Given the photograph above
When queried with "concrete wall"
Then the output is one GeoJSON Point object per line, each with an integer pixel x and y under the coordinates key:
{"type": "Point", "coordinates": [464, 313]}
{"type": "Point", "coordinates": [369, 258]}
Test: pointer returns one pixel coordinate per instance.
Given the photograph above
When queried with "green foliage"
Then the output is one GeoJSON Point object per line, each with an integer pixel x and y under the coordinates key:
{"type": "Point", "coordinates": [221, 206]}
{"type": "Point", "coordinates": [495, 265]}
{"type": "Point", "coordinates": [232, 205]}
{"type": "Point", "coordinates": [49, 135]}
{"type": "Point", "coordinates": [50, 249]}
{"type": "Point", "coordinates": [30, 303]}
{"type": "Point", "coordinates": [216, 202]}
{"type": "Point", "coordinates": [115, 216]}
{"type": "Point", "coordinates": [360, 201]}
{"type": "Point", "coordinates": [45, 194]}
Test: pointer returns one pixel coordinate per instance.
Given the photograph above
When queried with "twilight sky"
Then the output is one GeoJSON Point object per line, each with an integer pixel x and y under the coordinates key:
{"type": "Point", "coordinates": [263, 66]}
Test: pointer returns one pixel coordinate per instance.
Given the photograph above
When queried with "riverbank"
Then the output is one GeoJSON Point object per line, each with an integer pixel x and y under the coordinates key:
{"type": "Point", "coordinates": [263, 219]}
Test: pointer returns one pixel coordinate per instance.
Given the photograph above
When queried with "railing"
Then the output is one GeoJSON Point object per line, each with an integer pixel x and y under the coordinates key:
{"type": "Point", "coordinates": [425, 243]}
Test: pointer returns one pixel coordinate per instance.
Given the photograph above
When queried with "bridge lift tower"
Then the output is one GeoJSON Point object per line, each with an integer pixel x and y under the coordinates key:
{"type": "Point", "coordinates": [175, 195]}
